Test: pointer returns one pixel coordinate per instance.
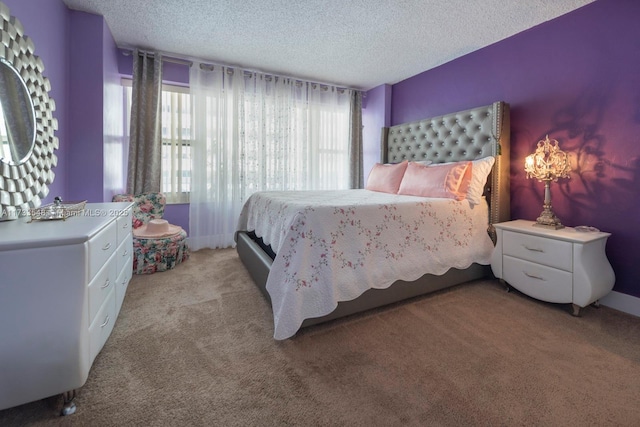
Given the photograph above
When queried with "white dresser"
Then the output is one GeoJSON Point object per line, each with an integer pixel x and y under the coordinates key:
{"type": "Point", "coordinates": [62, 284]}
{"type": "Point", "coordinates": [561, 266]}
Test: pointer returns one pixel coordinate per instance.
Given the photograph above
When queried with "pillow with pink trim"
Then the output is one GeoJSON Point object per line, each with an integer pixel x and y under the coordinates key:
{"type": "Point", "coordinates": [481, 170]}
{"type": "Point", "coordinates": [449, 181]}
{"type": "Point", "coordinates": [386, 178]}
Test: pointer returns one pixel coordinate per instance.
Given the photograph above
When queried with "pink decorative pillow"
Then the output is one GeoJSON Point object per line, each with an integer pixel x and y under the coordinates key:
{"type": "Point", "coordinates": [449, 181]}
{"type": "Point", "coordinates": [386, 178]}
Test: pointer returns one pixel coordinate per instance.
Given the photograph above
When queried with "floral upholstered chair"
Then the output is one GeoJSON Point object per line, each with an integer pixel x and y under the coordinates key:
{"type": "Point", "coordinates": [162, 251]}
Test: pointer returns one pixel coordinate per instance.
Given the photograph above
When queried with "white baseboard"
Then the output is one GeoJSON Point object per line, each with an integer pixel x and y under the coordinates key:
{"type": "Point", "coordinates": [622, 302]}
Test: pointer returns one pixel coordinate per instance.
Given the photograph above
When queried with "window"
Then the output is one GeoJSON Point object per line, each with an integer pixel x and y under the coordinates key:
{"type": "Point", "coordinates": [176, 140]}
{"type": "Point", "coordinates": [300, 144]}
{"type": "Point", "coordinates": [293, 141]}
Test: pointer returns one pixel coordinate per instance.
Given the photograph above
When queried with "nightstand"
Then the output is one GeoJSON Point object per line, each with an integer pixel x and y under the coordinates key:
{"type": "Point", "coordinates": [559, 266]}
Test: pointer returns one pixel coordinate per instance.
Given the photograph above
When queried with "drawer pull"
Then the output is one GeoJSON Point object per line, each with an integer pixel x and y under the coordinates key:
{"type": "Point", "coordinates": [106, 321]}
{"type": "Point", "coordinates": [532, 249]}
{"type": "Point", "coordinates": [533, 276]}
{"type": "Point", "coordinates": [106, 247]}
{"type": "Point", "coordinates": [125, 225]}
{"type": "Point", "coordinates": [106, 284]}
{"type": "Point", "coordinates": [125, 253]}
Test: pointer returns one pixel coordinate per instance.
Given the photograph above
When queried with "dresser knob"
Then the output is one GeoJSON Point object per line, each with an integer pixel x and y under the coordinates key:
{"type": "Point", "coordinates": [106, 284]}
{"type": "Point", "coordinates": [106, 247]}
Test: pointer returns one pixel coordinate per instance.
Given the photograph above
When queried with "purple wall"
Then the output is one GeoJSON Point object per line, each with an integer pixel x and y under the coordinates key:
{"type": "Point", "coordinates": [376, 114]}
{"type": "Point", "coordinates": [46, 22]}
{"type": "Point", "coordinates": [71, 45]}
{"type": "Point", "coordinates": [577, 79]}
{"type": "Point", "coordinates": [86, 107]}
{"type": "Point", "coordinates": [96, 170]}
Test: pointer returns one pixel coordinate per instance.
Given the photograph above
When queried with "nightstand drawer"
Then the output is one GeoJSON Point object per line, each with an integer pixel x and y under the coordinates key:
{"type": "Point", "coordinates": [553, 253]}
{"type": "Point", "coordinates": [538, 281]}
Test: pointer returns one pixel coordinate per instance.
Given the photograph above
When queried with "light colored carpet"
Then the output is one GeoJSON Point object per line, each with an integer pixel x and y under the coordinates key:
{"type": "Point", "coordinates": [194, 346]}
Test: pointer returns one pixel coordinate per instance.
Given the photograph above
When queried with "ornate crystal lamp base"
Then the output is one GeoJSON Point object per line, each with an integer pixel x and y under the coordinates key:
{"type": "Point", "coordinates": [547, 218]}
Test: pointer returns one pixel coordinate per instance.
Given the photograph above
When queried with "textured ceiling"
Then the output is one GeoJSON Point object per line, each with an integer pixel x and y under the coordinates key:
{"type": "Point", "coordinates": [355, 43]}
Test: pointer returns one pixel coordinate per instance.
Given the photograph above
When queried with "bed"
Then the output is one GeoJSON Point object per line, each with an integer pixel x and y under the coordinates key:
{"type": "Point", "coordinates": [298, 276]}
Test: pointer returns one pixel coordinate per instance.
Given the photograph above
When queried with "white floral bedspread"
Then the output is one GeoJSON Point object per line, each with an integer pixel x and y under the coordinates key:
{"type": "Point", "coordinates": [332, 246]}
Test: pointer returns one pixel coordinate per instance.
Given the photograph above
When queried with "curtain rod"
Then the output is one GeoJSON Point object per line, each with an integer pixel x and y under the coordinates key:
{"type": "Point", "coordinates": [165, 58]}
{"type": "Point", "coordinates": [126, 51]}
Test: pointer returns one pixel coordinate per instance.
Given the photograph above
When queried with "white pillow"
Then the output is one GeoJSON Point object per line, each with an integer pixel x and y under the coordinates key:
{"type": "Point", "coordinates": [423, 162]}
{"type": "Point", "coordinates": [479, 173]}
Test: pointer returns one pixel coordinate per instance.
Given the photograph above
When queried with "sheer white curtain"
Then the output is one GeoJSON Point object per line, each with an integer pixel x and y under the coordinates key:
{"type": "Point", "coordinates": [176, 144]}
{"type": "Point", "coordinates": [216, 199]}
{"type": "Point", "coordinates": [255, 132]}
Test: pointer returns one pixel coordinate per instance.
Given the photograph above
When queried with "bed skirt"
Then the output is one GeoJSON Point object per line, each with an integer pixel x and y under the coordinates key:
{"type": "Point", "coordinates": [258, 263]}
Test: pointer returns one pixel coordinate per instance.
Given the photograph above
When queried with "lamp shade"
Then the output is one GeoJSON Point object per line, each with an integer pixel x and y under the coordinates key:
{"type": "Point", "coordinates": [548, 162]}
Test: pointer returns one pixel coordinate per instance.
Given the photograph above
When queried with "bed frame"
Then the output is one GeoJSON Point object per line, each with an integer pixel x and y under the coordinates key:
{"type": "Point", "coordinates": [465, 135]}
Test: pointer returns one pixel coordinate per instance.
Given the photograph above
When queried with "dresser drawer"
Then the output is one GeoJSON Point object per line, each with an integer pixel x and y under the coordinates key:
{"type": "Point", "coordinates": [123, 223]}
{"type": "Point", "coordinates": [102, 325]}
{"type": "Point", "coordinates": [124, 253]}
{"type": "Point", "coordinates": [122, 282]}
{"type": "Point", "coordinates": [553, 253]}
{"type": "Point", "coordinates": [101, 286]}
{"type": "Point", "coordinates": [101, 246]}
{"type": "Point", "coordinates": [538, 281]}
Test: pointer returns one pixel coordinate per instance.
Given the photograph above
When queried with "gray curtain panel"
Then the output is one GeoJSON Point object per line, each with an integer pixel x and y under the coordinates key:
{"type": "Point", "coordinates": [145, 143]}
{"type": "Point", "coordinates": [356, 174]}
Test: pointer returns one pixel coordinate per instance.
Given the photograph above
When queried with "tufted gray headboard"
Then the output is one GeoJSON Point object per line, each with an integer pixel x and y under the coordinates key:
{"type": "Point", "coordinates": [465, 135]}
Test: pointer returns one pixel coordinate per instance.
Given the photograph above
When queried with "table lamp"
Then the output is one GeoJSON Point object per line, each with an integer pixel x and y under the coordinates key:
{"type": "Point", "coordinates": [547, 163]}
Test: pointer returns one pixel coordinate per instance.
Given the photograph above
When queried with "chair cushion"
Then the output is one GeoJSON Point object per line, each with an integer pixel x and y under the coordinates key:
{"type": "Point", "coordinates": [146, 206]}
